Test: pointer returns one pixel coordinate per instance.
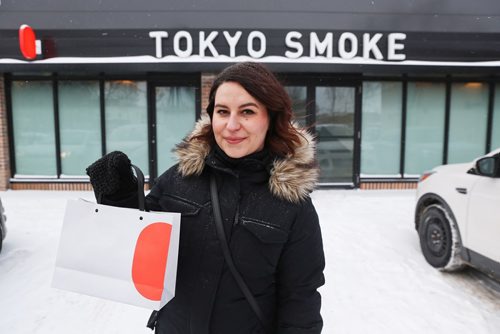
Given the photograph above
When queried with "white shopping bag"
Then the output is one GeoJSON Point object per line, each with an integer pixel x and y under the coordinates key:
{"type": "Point", "coordinates": [120, 254]}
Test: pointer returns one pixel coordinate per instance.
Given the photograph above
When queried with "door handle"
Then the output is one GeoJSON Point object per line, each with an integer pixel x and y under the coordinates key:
{"type": "Point", "coordinates": [462, 190]}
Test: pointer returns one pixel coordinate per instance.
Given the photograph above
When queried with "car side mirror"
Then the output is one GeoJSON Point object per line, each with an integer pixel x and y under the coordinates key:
{"type": "Point", "coordinates": [486, 166]}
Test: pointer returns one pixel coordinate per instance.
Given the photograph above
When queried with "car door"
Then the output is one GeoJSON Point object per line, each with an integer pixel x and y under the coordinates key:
{"type": "Point", "coordinates": [483, 218]}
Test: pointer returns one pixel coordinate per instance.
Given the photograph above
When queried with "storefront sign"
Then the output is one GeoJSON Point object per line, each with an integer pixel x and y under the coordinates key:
{"type": "Point", "coordinates": [277, 46]}
{"type": "Point", "coordinates": [346, 45]}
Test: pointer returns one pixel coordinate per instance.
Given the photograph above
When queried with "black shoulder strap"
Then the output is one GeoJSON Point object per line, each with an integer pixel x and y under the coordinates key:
{"type": "Point", "coordinates": [227, 253]}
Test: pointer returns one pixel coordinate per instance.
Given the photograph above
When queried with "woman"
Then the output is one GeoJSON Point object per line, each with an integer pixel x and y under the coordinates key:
{"type": "Point", "coordinates": [264, 170]}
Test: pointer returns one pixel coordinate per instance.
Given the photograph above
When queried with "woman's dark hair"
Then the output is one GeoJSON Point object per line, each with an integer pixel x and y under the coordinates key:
{"type": "Point", "coordinates": [282, 138]}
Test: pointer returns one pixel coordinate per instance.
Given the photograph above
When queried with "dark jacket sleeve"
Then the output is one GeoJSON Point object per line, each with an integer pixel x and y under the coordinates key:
{"type": "Point", "coordinates": [300, 275]}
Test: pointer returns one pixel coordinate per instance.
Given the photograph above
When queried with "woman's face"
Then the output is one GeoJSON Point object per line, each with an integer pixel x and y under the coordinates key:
{"type": "Point", "coordinates": [239, 121]}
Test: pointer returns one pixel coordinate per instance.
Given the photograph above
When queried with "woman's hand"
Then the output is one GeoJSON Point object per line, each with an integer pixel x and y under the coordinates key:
{"type": "Point", "coordinates": [112, 174]}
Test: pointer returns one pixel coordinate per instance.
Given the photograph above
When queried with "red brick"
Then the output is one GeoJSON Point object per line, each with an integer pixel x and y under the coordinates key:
{"type": "Point", "coordinates": [4, 140]}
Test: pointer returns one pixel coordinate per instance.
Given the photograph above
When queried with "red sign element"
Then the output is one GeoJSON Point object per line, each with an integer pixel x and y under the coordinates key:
{"type": "Point", "coordinates": [27, 41]}
{"type": "Point", "coordinates": [150, 260]}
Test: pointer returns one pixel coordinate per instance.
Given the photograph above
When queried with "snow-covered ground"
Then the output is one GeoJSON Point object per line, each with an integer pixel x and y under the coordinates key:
{"type": "Point", "coordinates": [376, 278]}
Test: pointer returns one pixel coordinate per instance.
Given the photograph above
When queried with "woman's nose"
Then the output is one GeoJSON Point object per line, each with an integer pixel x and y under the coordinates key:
{"type": "Point", "coordinates": [233, 123]}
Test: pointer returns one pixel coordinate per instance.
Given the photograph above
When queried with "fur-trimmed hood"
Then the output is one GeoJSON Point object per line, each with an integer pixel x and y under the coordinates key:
{"type": "Point", "coordinates": [291, 178]}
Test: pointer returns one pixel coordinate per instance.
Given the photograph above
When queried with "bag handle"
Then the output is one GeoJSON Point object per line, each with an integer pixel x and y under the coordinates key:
{"type": "Point", "coordinates": [140, 188]}
{"type": "Point", "coordinates": [227, 253]}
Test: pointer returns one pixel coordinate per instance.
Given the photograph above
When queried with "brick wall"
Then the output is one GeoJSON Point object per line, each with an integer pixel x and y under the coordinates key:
{"type": "Point", "coordinates": [387, 185]}
{"type": "Point", "coordinates": [4, 140]}
{"type": "Point", "coordinates": [55, 186]}
{"type": "Point", "coordinates": [50, 186]}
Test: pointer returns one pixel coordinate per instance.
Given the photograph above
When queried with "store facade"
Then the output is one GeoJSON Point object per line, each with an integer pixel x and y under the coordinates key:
{"type": "Point", "coordinates": [389, 89]}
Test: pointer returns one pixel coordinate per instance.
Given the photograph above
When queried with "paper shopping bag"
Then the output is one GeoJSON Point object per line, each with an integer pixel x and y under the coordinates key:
{"type": "Point", "coordinates": [119, 254]}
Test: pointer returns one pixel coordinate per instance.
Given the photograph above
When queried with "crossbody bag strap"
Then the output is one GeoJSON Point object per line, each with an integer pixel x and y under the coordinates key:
{"type": "Point", "coordinates": [140, 188]}
{"type": "Point", "coordinates": [227, 253]}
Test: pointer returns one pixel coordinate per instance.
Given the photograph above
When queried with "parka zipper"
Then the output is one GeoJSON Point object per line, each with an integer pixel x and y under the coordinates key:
{"type": "Point", "coordinates": [237, 214]}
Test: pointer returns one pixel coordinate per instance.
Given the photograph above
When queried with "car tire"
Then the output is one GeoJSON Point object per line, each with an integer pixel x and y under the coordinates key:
{"type": "Point", "coordinates": [440, 239]}
{"type": "Point", "coordinates": [1, 238]}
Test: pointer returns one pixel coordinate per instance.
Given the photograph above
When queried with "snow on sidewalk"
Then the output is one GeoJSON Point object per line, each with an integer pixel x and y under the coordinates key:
{"type": "Point", "coordinates": [377, 281]}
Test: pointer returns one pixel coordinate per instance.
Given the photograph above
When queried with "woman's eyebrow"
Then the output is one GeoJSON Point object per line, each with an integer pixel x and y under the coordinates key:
{"type": "Point", "coordinates": [249, 104]}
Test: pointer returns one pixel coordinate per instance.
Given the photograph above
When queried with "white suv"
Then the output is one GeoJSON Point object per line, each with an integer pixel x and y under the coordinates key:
{"type": "Point", "coordinates": [458, 215]}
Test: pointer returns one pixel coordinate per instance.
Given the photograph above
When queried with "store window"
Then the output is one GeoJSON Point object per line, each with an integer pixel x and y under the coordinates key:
{"type": "Point", "coordinates": [126, 120]}
{"type": "Point", "coordinates": [79, 121]}
{"type": "Point", "coordinates": [495, 133]}
{"type": "Point", "coordinates": [175, 117]}
{"type": "Point", "coordinates": [425, 121]}
{"type": "Point", "coordinates": [381, 129]}
{"type": "Point", "coordinates": [468, 121]}
{"type": "Point", "coordinates": [33, 125]}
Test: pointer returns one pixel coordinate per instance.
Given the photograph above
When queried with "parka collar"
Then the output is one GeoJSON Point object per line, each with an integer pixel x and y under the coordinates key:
{"type": "Point", "coordinates": [291, 178]}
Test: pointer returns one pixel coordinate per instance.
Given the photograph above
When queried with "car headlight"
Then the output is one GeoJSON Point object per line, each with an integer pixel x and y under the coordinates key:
{"type": "Point", "coordinates": [425, 175]}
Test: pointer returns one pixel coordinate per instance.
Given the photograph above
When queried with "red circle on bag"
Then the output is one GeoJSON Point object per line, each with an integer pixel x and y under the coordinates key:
{"type": "Point", "coordinates": [150, 260]}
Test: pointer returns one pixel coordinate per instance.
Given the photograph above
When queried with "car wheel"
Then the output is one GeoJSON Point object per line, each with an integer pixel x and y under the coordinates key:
{"type": "Point", "coordinates": [1, 238]}
{"type": "Point", "coordinates": [440, 239]}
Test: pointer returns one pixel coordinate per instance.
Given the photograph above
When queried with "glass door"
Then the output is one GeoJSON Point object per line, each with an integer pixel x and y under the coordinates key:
{"type": "Point", "coordinates": [335, 130]}
{"type": "Point", "coordinates": [172, 117]}
{"type": "Point", "coordinates": [329, 107]}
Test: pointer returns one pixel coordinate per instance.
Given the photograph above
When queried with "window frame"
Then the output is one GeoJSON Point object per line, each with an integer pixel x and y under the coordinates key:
{"type": "Point", "coordinates": [151, 80]}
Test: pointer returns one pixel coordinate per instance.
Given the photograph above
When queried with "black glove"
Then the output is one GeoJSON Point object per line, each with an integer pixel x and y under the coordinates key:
{"type": "Point", "coordinates": [112, 174]}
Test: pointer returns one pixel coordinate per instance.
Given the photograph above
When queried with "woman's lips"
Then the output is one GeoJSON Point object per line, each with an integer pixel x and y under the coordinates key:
{"type": "Point", "coordinates": [234, 140]}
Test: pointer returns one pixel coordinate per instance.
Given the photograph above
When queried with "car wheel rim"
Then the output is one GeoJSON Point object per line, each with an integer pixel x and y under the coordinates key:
{"type": "Point", "coordinates": [436, 237]}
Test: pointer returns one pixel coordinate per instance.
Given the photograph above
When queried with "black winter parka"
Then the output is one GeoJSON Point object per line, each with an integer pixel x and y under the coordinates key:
{"type": "Point", "coordinates": [273, 234]}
